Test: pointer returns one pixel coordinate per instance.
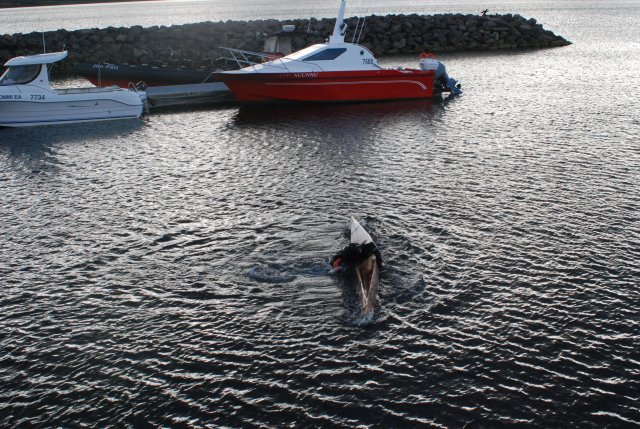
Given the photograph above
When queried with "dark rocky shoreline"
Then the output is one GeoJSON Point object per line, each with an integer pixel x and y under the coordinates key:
{"type": "Point", "coordinates": [196, 45]}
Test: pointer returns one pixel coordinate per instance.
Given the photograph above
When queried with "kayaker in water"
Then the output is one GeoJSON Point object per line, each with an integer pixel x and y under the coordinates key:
{"type": "Point", "coordinates": [353, 255]}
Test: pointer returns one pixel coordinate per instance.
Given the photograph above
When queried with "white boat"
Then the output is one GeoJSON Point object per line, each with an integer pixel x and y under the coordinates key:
{"type": "Point", "coordinates": [367, 272]}
{"type": "Point", "coordinates": [27, 98]}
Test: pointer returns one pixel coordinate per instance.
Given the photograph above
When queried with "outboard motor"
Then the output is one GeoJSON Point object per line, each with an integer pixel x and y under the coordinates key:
{"type": "Point", "coordinates": [429, 62]}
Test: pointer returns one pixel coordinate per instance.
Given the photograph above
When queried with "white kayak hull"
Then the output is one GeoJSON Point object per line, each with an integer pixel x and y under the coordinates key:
{"type": "Point", "coordinates": [367, 283]}
{"type": "Point", "coordinates": [358, 233]}
{"type": "Point", "coordinates": [367, 272]}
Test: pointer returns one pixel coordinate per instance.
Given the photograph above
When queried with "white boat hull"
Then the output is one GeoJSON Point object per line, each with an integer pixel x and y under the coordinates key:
{"type": "Point", "coordinates": [27, 113]}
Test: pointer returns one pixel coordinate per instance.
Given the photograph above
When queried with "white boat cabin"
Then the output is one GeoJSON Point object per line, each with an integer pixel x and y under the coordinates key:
{"type": "Point", "coordinates": [32, 69]}
{"type": "Point", "coordinates": [323, 57]}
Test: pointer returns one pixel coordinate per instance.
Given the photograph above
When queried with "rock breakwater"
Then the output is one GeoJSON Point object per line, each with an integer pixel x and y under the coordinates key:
{"type": "Point", "coordinates": [196, 45]}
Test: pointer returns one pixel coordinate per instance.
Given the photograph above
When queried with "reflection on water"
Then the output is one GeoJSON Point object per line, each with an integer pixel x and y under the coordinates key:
{"type": "Point", "coordinates": [329, 128]}
{"type": "Point", "coordinates": [27, 138]}
{"type": "Point", "coordinates": [33, 150]}
{"type": "Point", "coordinates": [323, 114]}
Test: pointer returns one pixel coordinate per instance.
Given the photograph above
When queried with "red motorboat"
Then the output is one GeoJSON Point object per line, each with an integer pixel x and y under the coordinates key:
{"type": "Point", "coordinates": [336, 71]}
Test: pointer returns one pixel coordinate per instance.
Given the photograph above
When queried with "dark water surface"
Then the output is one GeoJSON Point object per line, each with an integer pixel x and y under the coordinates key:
{"type": "Point", "coordinates": [173, 271]}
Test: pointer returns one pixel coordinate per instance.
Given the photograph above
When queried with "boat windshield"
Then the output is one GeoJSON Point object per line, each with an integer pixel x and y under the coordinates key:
{"type": "Point", "coordinates": [17, 75]}
{"type": "Point", "coordinates": [316, 53]}
{"type": "Point", "coordinates": [303, 53]}
{"type": "Point", "coordinates": [327, 54]}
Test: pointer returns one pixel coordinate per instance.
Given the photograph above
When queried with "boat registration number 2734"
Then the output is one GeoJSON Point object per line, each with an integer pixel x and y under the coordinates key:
{"type": "Point", "coordinates": [33, 97]}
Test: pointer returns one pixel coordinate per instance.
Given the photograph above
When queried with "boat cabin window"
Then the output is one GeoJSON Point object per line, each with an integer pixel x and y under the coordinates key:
{"type": "Point", "coordinates": [327, 54]}
{"type": "Point", "coordinates": [20, 74]}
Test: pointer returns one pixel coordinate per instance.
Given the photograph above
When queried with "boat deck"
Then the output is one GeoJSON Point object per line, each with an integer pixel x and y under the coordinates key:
{"type": "Point", "coordinates": [88, 90]}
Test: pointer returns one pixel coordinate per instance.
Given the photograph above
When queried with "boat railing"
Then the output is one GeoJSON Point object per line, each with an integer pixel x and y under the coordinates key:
{"type": "Point", "coordinates": [88, 90]}
{"type": "Point", "coordinates": [244, 59]}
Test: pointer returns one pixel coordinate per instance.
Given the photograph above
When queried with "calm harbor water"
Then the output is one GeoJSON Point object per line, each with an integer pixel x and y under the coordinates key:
{"type": "Point", "coordinates": [173, 271]}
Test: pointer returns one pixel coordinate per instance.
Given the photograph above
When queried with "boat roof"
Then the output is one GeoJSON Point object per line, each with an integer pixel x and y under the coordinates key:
{"type": "Point", "coordinates": [28, 60]}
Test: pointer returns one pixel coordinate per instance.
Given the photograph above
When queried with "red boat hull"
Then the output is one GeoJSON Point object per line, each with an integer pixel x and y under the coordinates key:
{"type": "Point", "coordinates": [330, 86]}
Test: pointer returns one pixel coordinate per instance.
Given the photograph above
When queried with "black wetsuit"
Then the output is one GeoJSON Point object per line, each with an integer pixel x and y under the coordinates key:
{"type": "Point", "coordinates": [354, 254]}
